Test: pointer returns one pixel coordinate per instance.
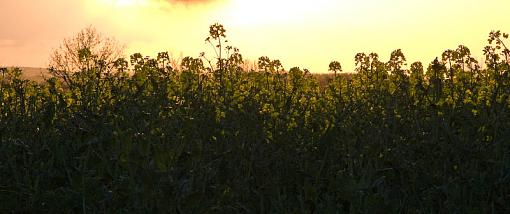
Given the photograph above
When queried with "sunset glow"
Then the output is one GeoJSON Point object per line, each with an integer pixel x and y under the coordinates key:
{"type": "Point", "coordinates": [124, 3]}
{"type": "Point", "coordinates": [303, 33]}
{"type": "Point", "coordinates": [268, 12]}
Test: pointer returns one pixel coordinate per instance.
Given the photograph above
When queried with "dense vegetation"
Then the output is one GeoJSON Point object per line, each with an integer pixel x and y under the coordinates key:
{"type": "Point", "coordinates": [144, 137]}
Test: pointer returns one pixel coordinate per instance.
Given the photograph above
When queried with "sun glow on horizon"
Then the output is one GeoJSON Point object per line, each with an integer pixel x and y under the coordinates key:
{"type": "Point", "coordinates": [270, 12]}
{"type": "Point", "coordinates": [304, 33]}
{"type": "Point", "coordinates": [124, 3]}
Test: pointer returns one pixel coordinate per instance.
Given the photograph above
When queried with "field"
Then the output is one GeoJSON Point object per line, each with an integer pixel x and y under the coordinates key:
{"type": "Point", "coordinates": [143, 137]}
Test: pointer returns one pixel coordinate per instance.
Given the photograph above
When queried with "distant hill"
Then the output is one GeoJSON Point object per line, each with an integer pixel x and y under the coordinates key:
{"type": "Point", "coordinates": [324, 78]}
{"type": "Point", "coordinates": [38, 75]}
{"type": "Point", "coordinates": [35, 74]}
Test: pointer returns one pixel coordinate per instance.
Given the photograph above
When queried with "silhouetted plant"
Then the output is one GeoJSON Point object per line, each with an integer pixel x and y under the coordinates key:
{"type": "Point", "coordinates": [209, 136]}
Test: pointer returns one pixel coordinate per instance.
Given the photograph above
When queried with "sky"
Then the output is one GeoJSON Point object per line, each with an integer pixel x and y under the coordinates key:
{"type": "Point", "coordinates": [303, 33]}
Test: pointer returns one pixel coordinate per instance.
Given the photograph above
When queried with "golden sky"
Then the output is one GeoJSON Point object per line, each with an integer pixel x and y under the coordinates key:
{"type": "Point", "coordinates": [304, 33]}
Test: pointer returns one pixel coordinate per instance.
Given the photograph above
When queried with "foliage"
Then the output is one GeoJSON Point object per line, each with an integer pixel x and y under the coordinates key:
{"type": "Point", "coordinates": [211, 137]}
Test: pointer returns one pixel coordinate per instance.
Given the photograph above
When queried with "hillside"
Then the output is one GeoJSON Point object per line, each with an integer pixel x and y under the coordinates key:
{"type": "Point", "coordinates": [34, 73]}
{"type": "Point", "coordinates": [38, 75]}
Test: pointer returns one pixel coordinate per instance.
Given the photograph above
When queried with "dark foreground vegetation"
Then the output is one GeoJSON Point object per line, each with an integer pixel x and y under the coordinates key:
{"type": "Point", "coordinates": [210, 137]}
